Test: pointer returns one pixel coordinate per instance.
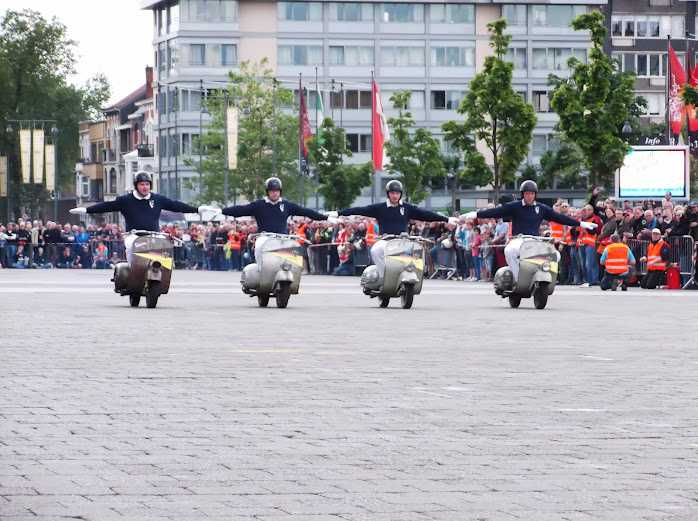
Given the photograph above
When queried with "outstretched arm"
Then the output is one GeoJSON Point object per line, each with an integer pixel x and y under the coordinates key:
{"type": "Point", "coordinates": [177, 206]}
{"type": "Point", "coordinates": [297, 209]}
{"type": "Point", "coordinates": [106, 206]}
{"type": "Point", "coordinates": [240, 210]}
{"type": "Point", "coordinates": [367, 211]}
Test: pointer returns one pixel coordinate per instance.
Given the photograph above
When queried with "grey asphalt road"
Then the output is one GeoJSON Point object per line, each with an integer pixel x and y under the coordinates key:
{"type": "Point", "coordinates": [209, 407]}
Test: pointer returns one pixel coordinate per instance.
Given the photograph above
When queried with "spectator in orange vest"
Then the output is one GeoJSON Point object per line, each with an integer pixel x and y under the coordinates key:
{"type": "Point", "coordinates": [656, 258]}
{"type": "Point", "coordinates": [618, 261]}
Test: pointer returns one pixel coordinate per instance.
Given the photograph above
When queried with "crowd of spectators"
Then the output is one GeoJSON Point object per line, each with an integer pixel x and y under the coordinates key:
{"type": "Point", "coordinates": [473, 251]}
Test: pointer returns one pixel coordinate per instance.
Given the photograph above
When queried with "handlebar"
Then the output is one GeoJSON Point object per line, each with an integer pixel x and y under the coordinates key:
{"type": "Point", "coordinates": [280, 236]}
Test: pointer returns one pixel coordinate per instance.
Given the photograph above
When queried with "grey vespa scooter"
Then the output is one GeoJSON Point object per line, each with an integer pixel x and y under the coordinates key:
{"type": "Point", "coordinates": [538, 266]}
{"type": "Point", "coordinates": [404, 271]}
{"type": "Point", "coordinates": [280, 273]}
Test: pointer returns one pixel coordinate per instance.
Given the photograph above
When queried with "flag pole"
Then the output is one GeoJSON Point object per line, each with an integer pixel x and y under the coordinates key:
{"type": "Point", "coordinates": [667, 87]}
{"type": "Point", "coordinates": [373, 136]}
{"type": "Point", "coordinates": [300, 137]}
{"type": "Point", "coordinates": [317, 133]}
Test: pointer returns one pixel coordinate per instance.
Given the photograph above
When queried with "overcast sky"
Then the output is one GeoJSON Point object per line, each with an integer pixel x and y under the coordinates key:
{"type": "Point", "coordinates": [114, 37]}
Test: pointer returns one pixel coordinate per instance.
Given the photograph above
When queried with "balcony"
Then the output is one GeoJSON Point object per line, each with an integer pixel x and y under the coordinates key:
{"type": "Point", "coordinates": [145, 150]}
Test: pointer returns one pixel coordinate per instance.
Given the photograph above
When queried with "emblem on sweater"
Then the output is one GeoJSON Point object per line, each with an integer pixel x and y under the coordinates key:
{"type": "Point", "coordinates": [152, 203]}
{"type": "Point", "coordinates": [537, 209]}
{"type": "Point", "coordinates": [402, 211]}
{"type": "Point", "coordinates": [281, 207]}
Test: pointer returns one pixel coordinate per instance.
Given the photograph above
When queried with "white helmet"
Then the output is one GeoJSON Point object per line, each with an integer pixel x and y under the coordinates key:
{"type": "Point", "coordinates": [447, 244]}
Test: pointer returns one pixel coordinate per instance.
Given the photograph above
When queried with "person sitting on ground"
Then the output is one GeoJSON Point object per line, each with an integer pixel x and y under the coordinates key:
{"type": "Point", "coordinates": [656, 258]}
{"type": "Point", "coordinates": [618, 261]}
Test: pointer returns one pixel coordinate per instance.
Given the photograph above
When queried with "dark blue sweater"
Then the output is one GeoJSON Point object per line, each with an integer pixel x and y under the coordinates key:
{"type": "Point", "coordinates": [142, 214]}
{"type": "Point", "coordinates": [272, 217]}
{"type": "Point", "coordinates": [393, 220]}
{"type": "Point", "coordinates": [526, 219]}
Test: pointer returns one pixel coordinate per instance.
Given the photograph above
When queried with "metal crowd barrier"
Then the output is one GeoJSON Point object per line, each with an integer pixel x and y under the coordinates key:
{"type": "Point", "coordinates": [681, 253]}
{"type": "Point", "coordinates": [446, 262]}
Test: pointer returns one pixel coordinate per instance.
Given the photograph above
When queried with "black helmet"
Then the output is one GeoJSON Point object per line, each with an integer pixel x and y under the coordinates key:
{"type": "Point", "coordinates": [273, 183]}
{"type": "Point", "coordinates": [529, 186]}
{"type": "Point", "coordinates": [393, 186]}
{"type": "Point", "coordinates": [141, 176]}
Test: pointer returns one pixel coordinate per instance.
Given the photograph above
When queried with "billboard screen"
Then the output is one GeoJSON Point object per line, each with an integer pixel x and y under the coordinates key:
{"type": "Point", "coordinates": [650, 172]}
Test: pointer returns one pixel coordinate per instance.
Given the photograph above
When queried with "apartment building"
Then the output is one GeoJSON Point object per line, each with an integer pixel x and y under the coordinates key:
{"type": "Point", "coordinates": [638, 36]}
{"type": "Point", "coordinates": [433, 48]}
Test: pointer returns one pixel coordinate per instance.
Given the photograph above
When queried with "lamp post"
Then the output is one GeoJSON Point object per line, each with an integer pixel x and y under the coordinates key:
{"type": "Point", "coordinates": [54, 131]}
{"type": "Point", "coordinates": [627, 130]}
{"type": "Point", "coordinates": [273, 167]}
{"type": "Point", "coordinates": [203, 111]}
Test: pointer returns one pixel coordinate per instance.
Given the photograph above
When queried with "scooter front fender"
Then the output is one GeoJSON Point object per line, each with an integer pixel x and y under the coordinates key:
{"type": "Point", "coordinates": [283, 276]}
{"type": "Point", "coordinates": [541, 276]}
{"type": "Point", "coordinates": [409, 278]}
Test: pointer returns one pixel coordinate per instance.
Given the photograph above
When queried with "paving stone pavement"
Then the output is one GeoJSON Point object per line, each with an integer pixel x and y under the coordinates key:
{"type": "Point", "coordinates": [209, 407]}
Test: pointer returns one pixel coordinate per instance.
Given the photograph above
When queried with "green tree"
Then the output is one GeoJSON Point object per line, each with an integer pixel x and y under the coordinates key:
{"type": "Point", "coordinates": [495, 115]}
{"type": "Point", "coordinates": [341, 183]}
{"type": "Point", "coordinates": [594, 106]}
{"type": "Point", "coordinates": [257, 95]}
{"type": "Point", "coordinates": [561, 168]}
{"type": "Point", "coordinates": [37, 59]}
{"type": "Point", "coordinates": [414, 157]}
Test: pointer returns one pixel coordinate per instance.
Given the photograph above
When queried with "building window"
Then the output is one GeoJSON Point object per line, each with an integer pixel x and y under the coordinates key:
{"type": "Point", "coordinates": [359, 142]}
{"type": "Point", "coordinates": [350, 12]}
{"type": "Point", "coordinates": [351, 55]}
{"type": "Point", "coordinates": [556, 58]}
{"type": "Point", "coordinates": [197, 11]}
{"type": "Point", "coordinates": [229, 54]}
{"type": "Point", "coordinates": [517, 56]}
{"type": "Point", "coordinates": [541, 101]}
{"type": "Point", "coordinates": [645, 65]}
{"type": "Point", "coordinates": [402, 13]}
{"type": "Point", "coordinates": [452, 57]}
{"type": "Point", "coordinates": [173, 18]}
{"type": "Point", "coordinates": [655, 103]}
{"type": "Point", "coordinates": [161, 15]}
{"type": "Point", "coordinates": [556, 15]}
{"type": "Point", "coordinates": [544, 143]}
{"type": "Point", "coordinates": [653, 26]}
{"type": "Point", "coordinates": [197, 54]}
{"type": "Point", "coordinates": [416, 100]}
{"type": "Point", "coordinates": [172, 56]}
{"type": "Point", "coordinates": [514, 14]}
{"type": "Point", "coordinates": [299, 11]}
{"type": "Point", "coordinates": [402, 56]}
{"type": "Point", "coordinates": [162, 59]}
{"type": "Point", "coordinates": [357, 99]}
{"type": "Point", "coordinates": [229, 10]}
{"type": "Point", "coordinates": [112, 181]}
{"type": "Point", "coordinates": [453, 13]}
{"type": "Point", "coordinates": [446, 99]}
{"type": "Point", "coordinates": [300, 55]}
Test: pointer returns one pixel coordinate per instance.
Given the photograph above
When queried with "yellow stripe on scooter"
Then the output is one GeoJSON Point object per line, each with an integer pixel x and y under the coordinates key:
{"type": "Point", "coordinates": [406, 259]}
{"type": "Point", "coordinates": [295, 259]}
{"type": "Point", "coordinates": [553, 264]}
{"type": "Point", "coordinates": [165, 261]}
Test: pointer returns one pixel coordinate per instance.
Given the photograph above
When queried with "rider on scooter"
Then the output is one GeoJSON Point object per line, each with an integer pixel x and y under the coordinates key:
{"type": "Point", "coordinates": [393, 216]}
{"type": "Point", "coordinates": [271, 213]}
{"type": "Point", "coordinates": [526, 216]}
{"type": "Point", "coordinates": [141, 208]}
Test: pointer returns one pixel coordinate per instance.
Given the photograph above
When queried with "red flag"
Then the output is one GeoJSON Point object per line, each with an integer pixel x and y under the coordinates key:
{"type": "Point", "coordinates": [305, 131]}
{"type": "Point", "coordinates": [381, 134]}
{"type": "Point", "coordinates": [693, 81]}
{"type": "Point", "coordinates": [677, 80]}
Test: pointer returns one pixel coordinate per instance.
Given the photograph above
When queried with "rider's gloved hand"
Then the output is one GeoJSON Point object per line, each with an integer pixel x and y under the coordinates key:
{"type": "Point", "coordinates": [454, 220]}
{"type": "Point", "coordinates": [332, 215]}
{"type": "Point", "coordinates": [333, 220]}
{"type": "Point", "coordinates": [206, 208]}
{"type": "Point", "coordinates": [80, 210]}
{"type": "Point", "coordinates": [471, 216]}
{"type": "Point", "coordinates": [587, 225]}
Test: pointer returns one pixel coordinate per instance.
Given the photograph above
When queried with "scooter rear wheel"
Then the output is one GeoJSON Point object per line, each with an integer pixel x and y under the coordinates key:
{"type": "Point", "coordinates": [134, 300]}
{"type": "Point", "coordinates": [540, 295]}
{"type": "Point", "coordinates": [514, 300]}
{"type": "Point", "coordinates": [407, 297]}
{"type": "Point", "coordinates": [384, 301]}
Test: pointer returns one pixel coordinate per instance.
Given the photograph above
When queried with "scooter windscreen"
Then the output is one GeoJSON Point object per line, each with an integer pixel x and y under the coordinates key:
{"type": "Point", "coordinates": [153, 249]}
{"type": "Point", "coordinates": [406, 251]}
{"type": "Point", "coordinates": [539, 252]}
{"type": "Point", "coordinates": [284, 248]}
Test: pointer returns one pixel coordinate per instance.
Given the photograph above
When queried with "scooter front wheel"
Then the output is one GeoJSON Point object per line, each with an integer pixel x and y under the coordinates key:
{"type": "Point", "coordinates": [514, 300]}
{"type": "Point", "coordinates": [134, 300]}
{"type": "Point", "coordinates": [407, 297]}
{"type": "Point", "coordinates": [540, 295]}
{"type": "Point", "coordinates": [283, 295]}
{"type": "Point", "coordinates": [263, 301]}
{"type": "Point", "coordinates": [152, 293]}
{"type": "Point", "coordinates": [384, 301]}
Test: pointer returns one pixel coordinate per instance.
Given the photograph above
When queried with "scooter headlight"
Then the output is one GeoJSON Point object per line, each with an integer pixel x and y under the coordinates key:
{"type": "Point", "coordinates": [545, 266]}
{"type": "Point", "coordinates": [409, 266]}
{"type": "Point", "coordinates": [286, 266]}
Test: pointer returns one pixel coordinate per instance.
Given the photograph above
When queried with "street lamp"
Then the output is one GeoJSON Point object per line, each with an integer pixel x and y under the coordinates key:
{"type": "Point", "coordinates": [273, 168]}
{"type": "Point", "coordinates": [54, 131]}
{"type": "Point", "coordinates": [627, 130]}
{"type": "Point", "coordinates": [203, 111]}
